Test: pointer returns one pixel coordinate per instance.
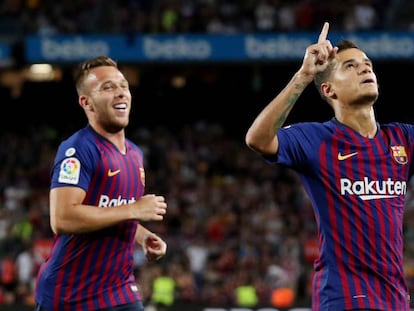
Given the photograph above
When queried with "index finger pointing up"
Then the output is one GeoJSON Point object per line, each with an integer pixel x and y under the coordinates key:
{"type": "Point", "coordinates": [324, 32]}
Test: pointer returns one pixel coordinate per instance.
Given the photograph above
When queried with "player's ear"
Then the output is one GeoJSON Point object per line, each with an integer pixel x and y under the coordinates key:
{"type": "Point", "coordinates": [84, 103]}
{"type": "Point", "coordinates": [327, 90]}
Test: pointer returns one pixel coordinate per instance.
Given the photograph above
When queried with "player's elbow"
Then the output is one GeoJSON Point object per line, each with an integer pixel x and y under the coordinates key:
{"type": "Point", "coordinates": [254, 144]}
{"type": "Point", "coordinates": [61, 226]}
{"type": "Point", "coordinates": [262, 146]}
{"type": "Point", "coordinates": [250, 141]}
{"type": "Point", "coordinates": [56, 226]}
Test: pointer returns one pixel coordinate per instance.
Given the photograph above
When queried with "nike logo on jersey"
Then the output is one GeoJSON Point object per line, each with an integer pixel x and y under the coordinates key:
{"type": "Point", "coordinates": [342, 157]}
{"type": "Point", "coordinates": [113, 173]}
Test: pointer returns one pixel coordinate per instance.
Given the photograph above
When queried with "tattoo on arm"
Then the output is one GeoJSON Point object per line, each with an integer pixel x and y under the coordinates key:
{"type": "Point", "coordinates": [288, 107]}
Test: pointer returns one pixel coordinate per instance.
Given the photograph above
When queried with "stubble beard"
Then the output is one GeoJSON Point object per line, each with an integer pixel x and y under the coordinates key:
{"type": "Point", "coordinates": [114, 126]}
{"type": "Point", "coordinates": [366, 98]}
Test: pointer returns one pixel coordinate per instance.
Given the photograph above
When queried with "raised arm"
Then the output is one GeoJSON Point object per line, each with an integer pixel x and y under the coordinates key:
{"type": "Point", "coordinates": [261, 136]}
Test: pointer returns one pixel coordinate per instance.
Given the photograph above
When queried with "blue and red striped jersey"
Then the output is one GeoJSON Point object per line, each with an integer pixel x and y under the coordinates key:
{"type": "Point", "coordinates": [94, 270]}
{"type": "Point", "coordinates": [357, 187]}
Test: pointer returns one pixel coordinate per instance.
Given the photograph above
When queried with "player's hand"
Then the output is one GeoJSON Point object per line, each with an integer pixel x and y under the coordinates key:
{"type": "Point", "coordinates": [154, 247]}
{"type": "Point", "coordinates": [150, 207]}
{"type": "Point", "coordinates": [318, 55]}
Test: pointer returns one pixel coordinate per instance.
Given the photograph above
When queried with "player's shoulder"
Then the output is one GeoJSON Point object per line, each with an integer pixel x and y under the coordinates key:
{"type": "Point", "coordinates": [131, 145]}
{"type": "Point", "coordinates": [311, 127]}
{"type": "Point", "coordinates": [407, 128]}
{"type": "Point", "coordinates": [82, 137]}
{"type": "Point", "coordinates": [81, 141]}
{"type": "Point", "coordinates": [397, 124]}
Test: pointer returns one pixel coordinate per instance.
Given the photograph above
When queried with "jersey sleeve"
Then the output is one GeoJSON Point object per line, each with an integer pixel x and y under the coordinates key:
{"type": "Point", "coordinates": [74, 163]}
{"type": "Point", "coordinates": [297, 144]}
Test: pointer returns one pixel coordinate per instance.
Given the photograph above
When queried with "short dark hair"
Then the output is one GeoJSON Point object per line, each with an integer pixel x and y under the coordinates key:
{"type": "Point", "coordinates": [83, 69]}
{"type": "Point", "coordinates": [323, 76]}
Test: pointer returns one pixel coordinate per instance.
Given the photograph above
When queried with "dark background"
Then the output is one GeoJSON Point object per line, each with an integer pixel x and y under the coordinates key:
{"type": "Point", "coordinates": [228, 94]}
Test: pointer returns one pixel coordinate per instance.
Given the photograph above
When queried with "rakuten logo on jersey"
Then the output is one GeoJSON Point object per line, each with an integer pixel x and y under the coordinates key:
{"type": "Point", "coordinates": [373, 189]}
{"type": "Point", "coordinates": [105, 201]}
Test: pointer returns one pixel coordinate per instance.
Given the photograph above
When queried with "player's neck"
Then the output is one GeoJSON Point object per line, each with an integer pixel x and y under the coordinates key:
{"type": "Point", "coordinates": [116, 138]}
{"type": "Point", "coordinates": [362, 121]}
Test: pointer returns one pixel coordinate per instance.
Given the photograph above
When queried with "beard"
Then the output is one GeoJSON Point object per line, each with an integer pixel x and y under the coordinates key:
{"type": "Point", "coordinates": [113, 125]}
{"type": "Point", "coordinates": [366, 98]}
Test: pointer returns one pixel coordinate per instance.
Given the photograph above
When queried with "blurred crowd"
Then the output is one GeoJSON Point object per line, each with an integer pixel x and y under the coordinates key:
{"type": "Point", "coordinates": [43, 17]}
{"type": "Point", "coordinates": [231, 218]}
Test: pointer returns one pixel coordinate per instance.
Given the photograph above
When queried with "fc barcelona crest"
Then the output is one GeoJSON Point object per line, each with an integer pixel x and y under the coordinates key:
{"type": "Point", "coordinates": [399, 154]}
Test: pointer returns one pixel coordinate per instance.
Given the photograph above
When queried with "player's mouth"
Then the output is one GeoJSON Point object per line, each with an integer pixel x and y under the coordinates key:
{"type": "Point", "coordinates": [369, 80]}
{"type": "Point", "coordinates": [121, 106]}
